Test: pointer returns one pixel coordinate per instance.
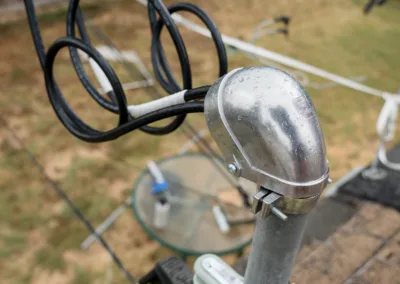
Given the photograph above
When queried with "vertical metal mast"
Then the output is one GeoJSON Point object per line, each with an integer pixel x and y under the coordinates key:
{"type": "Point", "coordinates": [267, 129]}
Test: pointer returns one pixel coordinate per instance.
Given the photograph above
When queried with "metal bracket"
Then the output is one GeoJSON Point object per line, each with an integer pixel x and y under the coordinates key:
{"type": "Point", "coordinates": [264, 201]}
{"type": "Point", "coordinates": [267, 202]}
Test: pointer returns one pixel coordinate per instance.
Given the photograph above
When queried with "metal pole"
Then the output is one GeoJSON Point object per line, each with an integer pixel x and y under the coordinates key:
{"type": "Point", "coordinates": [268, 131]}
{"type": "Point", "coordinates": [274, 249]}
{"type": "Point", "coordinates": [106, 223]}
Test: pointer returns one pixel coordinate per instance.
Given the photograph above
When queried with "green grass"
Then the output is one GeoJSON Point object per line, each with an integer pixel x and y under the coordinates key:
{"type": "Point", "coordinates": [50, 259]}
{"type": "Point", "coordinates": [54, 16]}
{"type": "Point", "coordinates": [11, 245]}
{"type": "Point", "coordinates": [81, 276]}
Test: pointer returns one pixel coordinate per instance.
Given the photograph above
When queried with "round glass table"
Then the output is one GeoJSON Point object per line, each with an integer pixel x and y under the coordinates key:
{"type": "Point", "coordinates": [196, 183]}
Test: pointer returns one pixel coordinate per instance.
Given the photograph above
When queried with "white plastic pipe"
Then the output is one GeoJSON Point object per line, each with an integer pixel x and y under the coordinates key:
{"type": "Point", "coordinates": [220, 218]}
{"type": "Point", "coordinates": [262, 52]}
{"type": "Point", "coordinates": [285, 60]}
{"type": "Point", "coordinates": [155, 172]}
{"type": "Point", "coordinates": [100, 76]}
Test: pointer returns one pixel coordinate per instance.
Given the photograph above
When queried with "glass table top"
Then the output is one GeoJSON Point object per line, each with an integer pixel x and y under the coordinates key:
{"type": "Point", "coordinates": [195, 186]}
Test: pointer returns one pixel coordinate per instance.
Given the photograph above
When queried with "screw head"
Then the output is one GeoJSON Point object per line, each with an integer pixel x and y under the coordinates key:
{"type": "Point", "coordinates": [233, 169]}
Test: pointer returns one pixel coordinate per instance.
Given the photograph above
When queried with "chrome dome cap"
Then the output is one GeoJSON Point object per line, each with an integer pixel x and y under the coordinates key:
{"type": "Point", "coordinates": [265, 124]}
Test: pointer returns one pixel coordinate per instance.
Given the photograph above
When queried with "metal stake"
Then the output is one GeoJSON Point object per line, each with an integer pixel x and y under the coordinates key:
{"type": "Point", "coordinates": [267, 129]}
{"type": "Point", "coordinates": [274, 248]}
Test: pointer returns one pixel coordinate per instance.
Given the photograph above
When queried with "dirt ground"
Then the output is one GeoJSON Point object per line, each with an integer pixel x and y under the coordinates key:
{"type": "Point", "coordinates": [40, 237]}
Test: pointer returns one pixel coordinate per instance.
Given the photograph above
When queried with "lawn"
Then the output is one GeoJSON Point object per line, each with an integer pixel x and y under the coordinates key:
{"type": "Point", "coordinates": [40, 237]}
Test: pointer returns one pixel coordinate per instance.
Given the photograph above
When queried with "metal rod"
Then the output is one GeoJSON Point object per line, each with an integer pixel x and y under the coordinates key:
{"type": "Point", "coordinates": [285, 60]}
{"type": "Point", "coordinates": [278, 213]}
{"type": "Point", "coordinates": [106, 223]}
{"type": "Point", "coordinates": [274, 249]}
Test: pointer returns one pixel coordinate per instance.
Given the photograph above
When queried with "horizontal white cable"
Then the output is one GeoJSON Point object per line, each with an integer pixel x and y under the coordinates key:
{"type": "Point", "coordinates": [285, 60]}
{"type": "Point", "coordinates": [321, 86]}
{"type": "Point", "coordinates": [175, 99]}
{"type": "Point", "coordinates": [250, 48]}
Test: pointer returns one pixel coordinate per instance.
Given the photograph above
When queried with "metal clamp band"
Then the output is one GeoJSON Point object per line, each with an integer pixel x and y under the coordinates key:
{"type": "Point", "coordinates": [291, 205]}
{"type": "Point", "coordinates": [267, 202]}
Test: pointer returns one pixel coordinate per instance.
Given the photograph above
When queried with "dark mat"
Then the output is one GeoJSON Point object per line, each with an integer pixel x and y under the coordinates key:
{"type": "Point", "coordinates": [329, 215]}
{"type": "Point", "coordinates": [385, 191]}
{"type": "Point", "coordinates": [332, 213]}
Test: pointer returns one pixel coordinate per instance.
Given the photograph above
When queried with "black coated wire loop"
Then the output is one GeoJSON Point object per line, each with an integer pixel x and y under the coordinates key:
{"type": "Point", "coordinates": [159, 16]}
{"type": "Point", "coordinates": [70, 120]}
{"type": "Point", "coordinates": [161, 67]}
{"type": "Point", "coordinates": [118, 104]}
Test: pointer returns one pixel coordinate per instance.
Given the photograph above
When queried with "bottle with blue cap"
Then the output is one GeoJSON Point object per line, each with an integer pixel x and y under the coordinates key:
{"type": "Point", "coordinates": [161, 206]}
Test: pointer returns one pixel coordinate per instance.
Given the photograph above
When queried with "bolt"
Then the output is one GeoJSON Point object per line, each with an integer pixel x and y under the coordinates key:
{"type": "Point", "coordinates": [278, 213]}
{"type": "Point", "coordinates": [233, 169]}
{"type": "Point", "coordinates": [329, 180]}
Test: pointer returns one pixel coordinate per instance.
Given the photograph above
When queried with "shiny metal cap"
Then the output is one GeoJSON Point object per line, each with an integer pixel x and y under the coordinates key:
{"type": "Point", "coordinates": [265, 124]}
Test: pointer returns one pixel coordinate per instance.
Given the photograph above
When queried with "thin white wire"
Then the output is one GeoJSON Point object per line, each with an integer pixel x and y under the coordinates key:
{"type": "Point", "coordinates": [302, 76]}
